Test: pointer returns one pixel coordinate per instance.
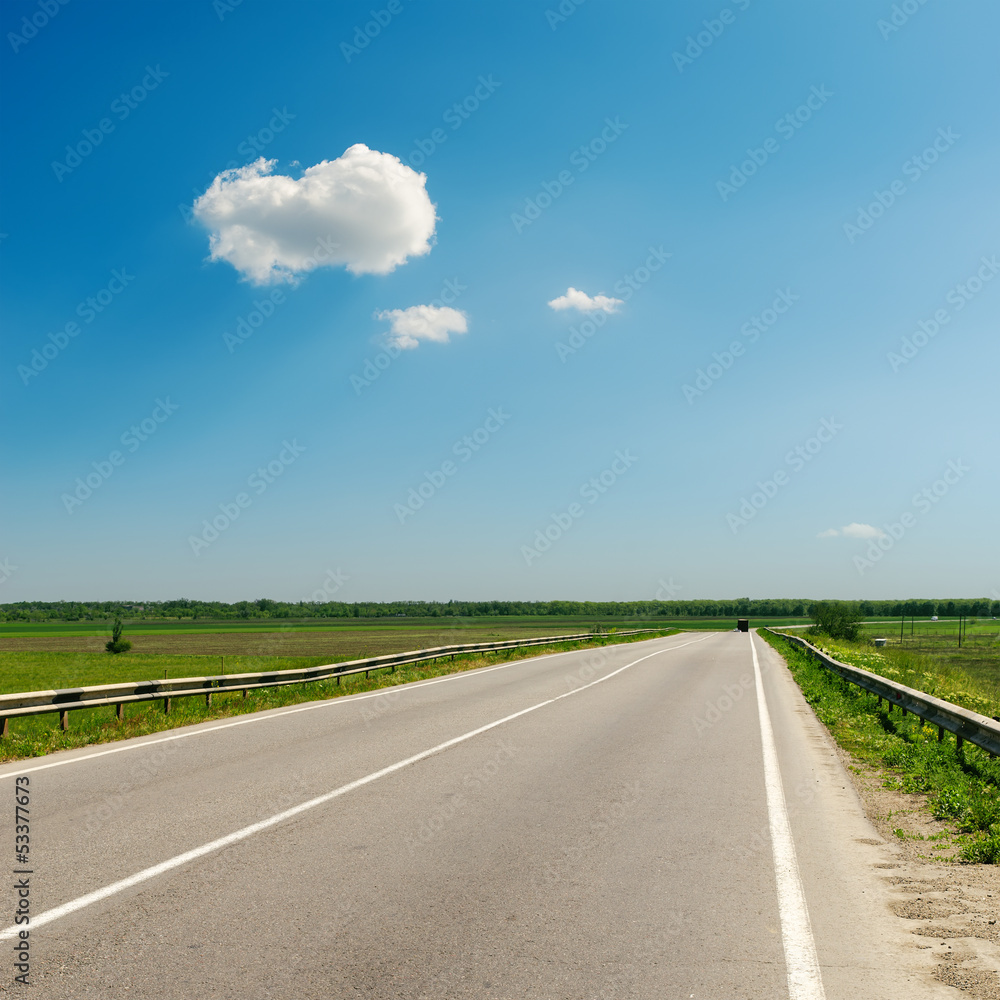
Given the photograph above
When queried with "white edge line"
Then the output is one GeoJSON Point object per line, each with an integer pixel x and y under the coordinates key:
{"type": "Point", "coordinates": [805, 981]}
{"type": "Point", "coordinates": [266, 714]}
{"type": "Point", "coordinates": [248, 831]}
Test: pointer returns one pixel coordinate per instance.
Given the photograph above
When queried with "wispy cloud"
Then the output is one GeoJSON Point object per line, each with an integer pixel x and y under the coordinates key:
{"type": "Point", "coordinates": [853, 530]}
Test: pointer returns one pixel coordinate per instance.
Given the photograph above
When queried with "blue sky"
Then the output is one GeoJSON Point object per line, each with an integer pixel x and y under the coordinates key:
{"type": "Point", "coordinates": [827, 172]}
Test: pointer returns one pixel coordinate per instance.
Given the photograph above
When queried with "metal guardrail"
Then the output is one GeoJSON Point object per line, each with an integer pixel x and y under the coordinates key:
{"type": "Point", "coordinates": [119, 695]}
{"type": "Point", "coordinates": [966, 725]}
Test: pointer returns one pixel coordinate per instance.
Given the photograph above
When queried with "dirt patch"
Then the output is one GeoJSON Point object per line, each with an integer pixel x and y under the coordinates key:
{"type": "Point", "coordinates": [973, 982]}
{"type": "Point", "coordinates": [950, 907]}
{"type": "Point", "coordinates": [922, 909]}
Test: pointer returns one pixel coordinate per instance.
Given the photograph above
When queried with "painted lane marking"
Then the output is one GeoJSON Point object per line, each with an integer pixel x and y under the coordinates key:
{"type": "Point", "coordinates": [805, 981]}
{"type": "Point", "coordinates": [248, 831]}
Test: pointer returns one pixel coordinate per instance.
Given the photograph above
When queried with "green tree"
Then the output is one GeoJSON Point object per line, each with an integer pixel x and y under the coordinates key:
{"type": "Point", "coordinates": [837, 619]}
{"type": "Point", "coordinates": [117, 643]}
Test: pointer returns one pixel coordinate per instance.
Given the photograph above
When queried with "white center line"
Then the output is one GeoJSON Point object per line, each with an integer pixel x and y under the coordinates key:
{"type": "Point", "coordinates": [267, 715]}
{"type": "Point", "coordinates": [805, 981]}
{"type": "Point", "coordinates": [248, 831]}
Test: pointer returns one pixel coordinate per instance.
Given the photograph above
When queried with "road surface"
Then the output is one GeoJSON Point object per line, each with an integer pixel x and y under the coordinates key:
{"type": "Point", "coordinates": [662, 819]}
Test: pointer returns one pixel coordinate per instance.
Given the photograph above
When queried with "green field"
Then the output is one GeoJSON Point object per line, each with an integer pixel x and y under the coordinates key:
{"type": "Point", "coordinates": [495, 624]}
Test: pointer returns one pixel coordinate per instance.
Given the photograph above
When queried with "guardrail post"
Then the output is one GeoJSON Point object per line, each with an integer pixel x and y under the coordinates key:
{"type": "Point", "coordinates": [64, 719]}
{"type": "Point", "coordinates": [3, 728]}
{"type": "Point", "coordinates": [119, 711]}
{"type": "Point", "coordinates": [166, 706]}
{"type": "Point", "coordinates": [940, 733]}
{"type": "Point", "coordinates": [958, 742]}
{"type": "Point", "coordinates": [208, 699]}
{"type": "Point", "coordinates": [244, 692]}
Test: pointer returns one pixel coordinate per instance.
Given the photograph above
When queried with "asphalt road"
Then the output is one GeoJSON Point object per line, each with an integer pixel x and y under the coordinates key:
{"type": "Point", "coordinates": [599, 824]}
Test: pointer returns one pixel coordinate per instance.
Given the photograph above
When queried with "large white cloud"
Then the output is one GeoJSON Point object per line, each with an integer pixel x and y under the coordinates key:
{"type": "Point", "coordinates": [575, 299]}
{"type": "Point", "coordinates": [853, 530]}
{"type": "Point", "coordinates": [365, 211]}
{"type": "Point", "coordinates": [409, 326]}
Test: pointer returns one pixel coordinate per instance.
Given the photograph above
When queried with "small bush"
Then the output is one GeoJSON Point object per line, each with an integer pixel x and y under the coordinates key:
{"type": "Point", "coordinates": [117, 644]}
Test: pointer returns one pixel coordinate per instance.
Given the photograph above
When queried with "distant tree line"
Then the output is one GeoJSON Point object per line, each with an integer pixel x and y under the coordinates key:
{"type": "Point", "coordinates": [40, 611]}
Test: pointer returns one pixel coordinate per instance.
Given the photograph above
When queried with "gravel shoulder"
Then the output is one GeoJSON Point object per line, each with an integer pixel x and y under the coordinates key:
{"type": "Point", "coordinates": [951, 908]}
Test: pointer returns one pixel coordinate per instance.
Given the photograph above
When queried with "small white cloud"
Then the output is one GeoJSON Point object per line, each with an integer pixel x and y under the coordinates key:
{"type": "Point", "coordinates": [575, 299]}
{"type": "Point", "coordinates": [853, 530]}
{"type": "Point", "coordinates": [365, 211]}
{"type": "Point", "coordinates": [409, 326]}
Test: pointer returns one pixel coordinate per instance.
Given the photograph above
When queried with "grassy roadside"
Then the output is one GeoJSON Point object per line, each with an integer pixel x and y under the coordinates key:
{"type": "Point", "coordinates": [35, 736]}
{"type": "Point", "coordinates": [962, 786]}
{"type": "Point", "coordinates": [962, 681]}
